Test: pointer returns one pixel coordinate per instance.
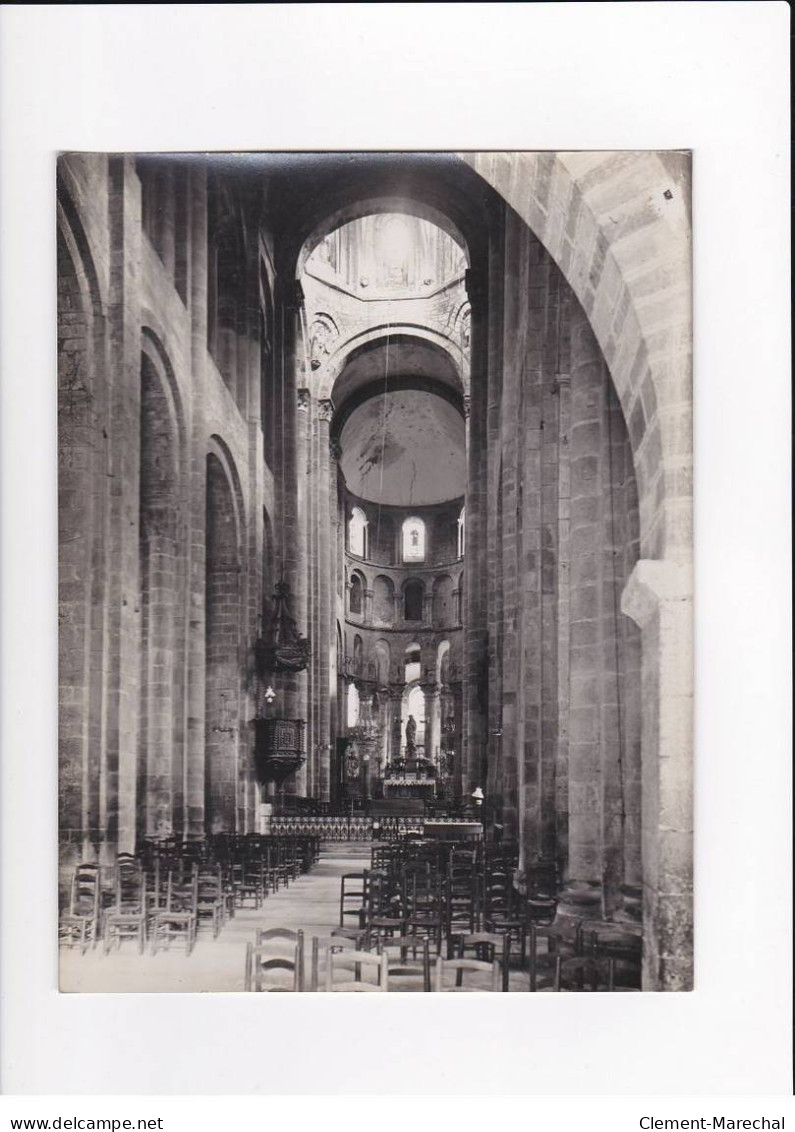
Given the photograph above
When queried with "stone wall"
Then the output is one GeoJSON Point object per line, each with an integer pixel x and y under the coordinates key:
{"type": "Point", "coordinates": [158, 608]}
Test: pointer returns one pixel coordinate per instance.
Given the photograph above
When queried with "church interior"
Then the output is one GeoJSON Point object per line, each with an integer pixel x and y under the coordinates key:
{"type": "Point", "coordinates": [375, 572]}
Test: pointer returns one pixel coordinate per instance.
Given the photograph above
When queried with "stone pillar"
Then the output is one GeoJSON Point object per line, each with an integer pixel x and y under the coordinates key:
{"type": "Point", "coordinates": [584, 893]}
{"type": "Point", "coordinates": [326, 547]}
{"type": "Point", "coordinates": [395, 730]}
{"type": "Point", "coordinates": [483, 356]}
{"type": "Point", "coordinates": [432, 721]}
{"type": "Point", "coordinates": [368, 607]}
{"type": "Point", "coordinates": [659, 598]}
{"type": "Point", "coordinates": [196, 768]}
{"type": "Point", "coordinates": [293, 552]}
{"type": "Point", "coordinates": [563, 626]}
{"type": "Point", "coordinates": [110, 807]}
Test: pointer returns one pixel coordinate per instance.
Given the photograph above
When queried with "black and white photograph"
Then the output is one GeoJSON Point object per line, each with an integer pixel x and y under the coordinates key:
{"type": "Point", "coordinates": [375, 571]}
{"type": "Point", "coordinates": [395, 566]}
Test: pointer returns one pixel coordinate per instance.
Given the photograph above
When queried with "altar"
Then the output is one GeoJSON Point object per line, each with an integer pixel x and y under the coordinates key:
{"type": "Point", "coordinates": [410, 786]}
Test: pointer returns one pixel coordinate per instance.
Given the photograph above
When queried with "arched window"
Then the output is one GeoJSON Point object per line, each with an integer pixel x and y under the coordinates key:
{"type": "Point", "coordinates": [413, 600]}
{"type": "Point", "coordinates": [412, 670]}
{"type": "Point", "coordinates": [357, 533]}
{"type": "Point", "coordinates": [383, 600]}
{"type": "Point", "coordinates": [461, 534]}
{"type": "Point", "coordinates": [413, 540]}
{"type": "Point", "coordinates": [353, 706]}
{"type": "Point", "coordinates": [382, 663]}
{"type": "Point", "coordinates": [356, 601]}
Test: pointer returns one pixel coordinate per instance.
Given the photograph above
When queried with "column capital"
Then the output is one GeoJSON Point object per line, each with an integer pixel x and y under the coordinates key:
{"type": "Point", "coordinates": [325, 410]}
{"type": "Point", "coordinates": [304, 400]}
{"type": "Point", "coordinates": [653, 582]}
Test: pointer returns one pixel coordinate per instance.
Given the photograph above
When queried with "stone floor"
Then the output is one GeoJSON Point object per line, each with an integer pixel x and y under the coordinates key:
{"type": "Point", "coordinates": [311, 903]}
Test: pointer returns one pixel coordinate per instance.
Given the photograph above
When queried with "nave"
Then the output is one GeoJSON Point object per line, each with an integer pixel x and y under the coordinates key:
{"type": "Point", "coordinates": [375, 485]}
{"type": "Point", "coordinates": [409, 904]}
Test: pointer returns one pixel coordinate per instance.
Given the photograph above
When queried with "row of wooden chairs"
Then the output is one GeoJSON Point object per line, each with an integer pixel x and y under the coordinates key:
{"type": "Point", "coordinates": [173, 888]}
{"type": "Point", "coordinates": [350, 966]}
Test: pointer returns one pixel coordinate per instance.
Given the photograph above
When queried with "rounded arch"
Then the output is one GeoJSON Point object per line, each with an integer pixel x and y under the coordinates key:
{"type": "Point", "coordinates": [413, 590]}
{"type": "Point", "coordinates": [413, 540]}
{"type": "Point", "coordinates": [646, 344]}
{"type": "Point", "coordinates": [358, 532]}
{"type": "Point", "coordinates": [218, 448]}
{"type": "Point", "coordinates": [442, 661]}
{"type": "Point", "coordinates": [74, 234]}
{"type": "Point", "coordinates": [154, 350]}
{"type": "Point", "coordinates": [374, 206]}
{"type": "Point", "coordinates": [82, 493]}
{"type": "Point", "coordinates": [383, 599]}
{"type": "Point", "coordinates": [443, 358]}
{"type": "Point", "coordinates": [383, 662]}
{"type": "Point", "coordinates": [356, 590]}
{"type": "Point", "coordinates": [358, 655]}
{"type": "Point", "coordinates": [160, 574]}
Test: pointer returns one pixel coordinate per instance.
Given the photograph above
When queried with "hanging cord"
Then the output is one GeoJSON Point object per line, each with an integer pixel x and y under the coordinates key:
{"type": "Point", "coordinates": [383, 439]}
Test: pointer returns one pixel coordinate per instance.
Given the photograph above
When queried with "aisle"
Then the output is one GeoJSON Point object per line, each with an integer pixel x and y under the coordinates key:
{"type": "Point", "coordinates": [311, 903]}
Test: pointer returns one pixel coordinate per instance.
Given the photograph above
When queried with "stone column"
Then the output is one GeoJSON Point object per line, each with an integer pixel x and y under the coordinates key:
{"type": "Point", "coordinates": [395, 732]}
{"type": "Point", "coordinates": [326, 547]}
{"type": "Point", "coordinates": [110, 805]}
{"type": "Point", "coordinates": [584, 892]}
{"type": "Point", "coordinates": [432, 721]}
{"type": "Point", "coordinates": [563, 626]}
{"type": "Point", "coordinates": [482, 358]}
{"type": "Point", "coordinates": [297, 783]}
{"type": "Point", "coordinates": [195, 777]}
{"type": "Point", "coordinates": [368, 607]}
{"type": "Point", "coordinates": [659, 598]}
{"type": "Point", "coordinates": [293, 552]}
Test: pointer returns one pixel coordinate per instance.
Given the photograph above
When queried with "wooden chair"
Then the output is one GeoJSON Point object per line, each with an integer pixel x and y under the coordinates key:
{"type": "Point", "coordinates": [353, 886]}
{"type": "Point", "coordinates": [490, 947]}
{"type": "Point", "coordinates": [211, 900]}
{"type": "Point", "coordinates": [425, 910]}
{"type": "Point", "coordinates": [270, 937]}
{"type": "Point", "coordinates": [356, 962]}
{"type": "Point", "coordinates": [406, 964]}
{"type": "Point", "coordinates": [581, 972]}
{"type": "Point", "coordinates": [262, 963]}
{"type": "Point", "coordinates": [178, 919]}
{"type": "Point", "coordinates": [463, 898]}
{"type": "Point", "coordinates": [126, 918]}
{"type": "Point", "coordinates": [325, 944]}
{"type": "Point", "coordinates": [80, 924]}
{"type": "Point", "coordinates": [621, 943]}
{"type": "Point", "coordinates": [447, 967]}
{"type": "Point", "coordinates": [562, 939]}
{"type": "Point", "coordinates": [249, 882]}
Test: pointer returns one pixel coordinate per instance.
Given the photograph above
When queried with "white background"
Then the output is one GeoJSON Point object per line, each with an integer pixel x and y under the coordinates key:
{"type": "Point", "coordinates": [711, 77]}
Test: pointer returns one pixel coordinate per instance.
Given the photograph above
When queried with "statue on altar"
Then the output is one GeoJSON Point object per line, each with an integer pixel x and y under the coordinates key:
{"type": "Point", "coordinates": [411, 737]}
